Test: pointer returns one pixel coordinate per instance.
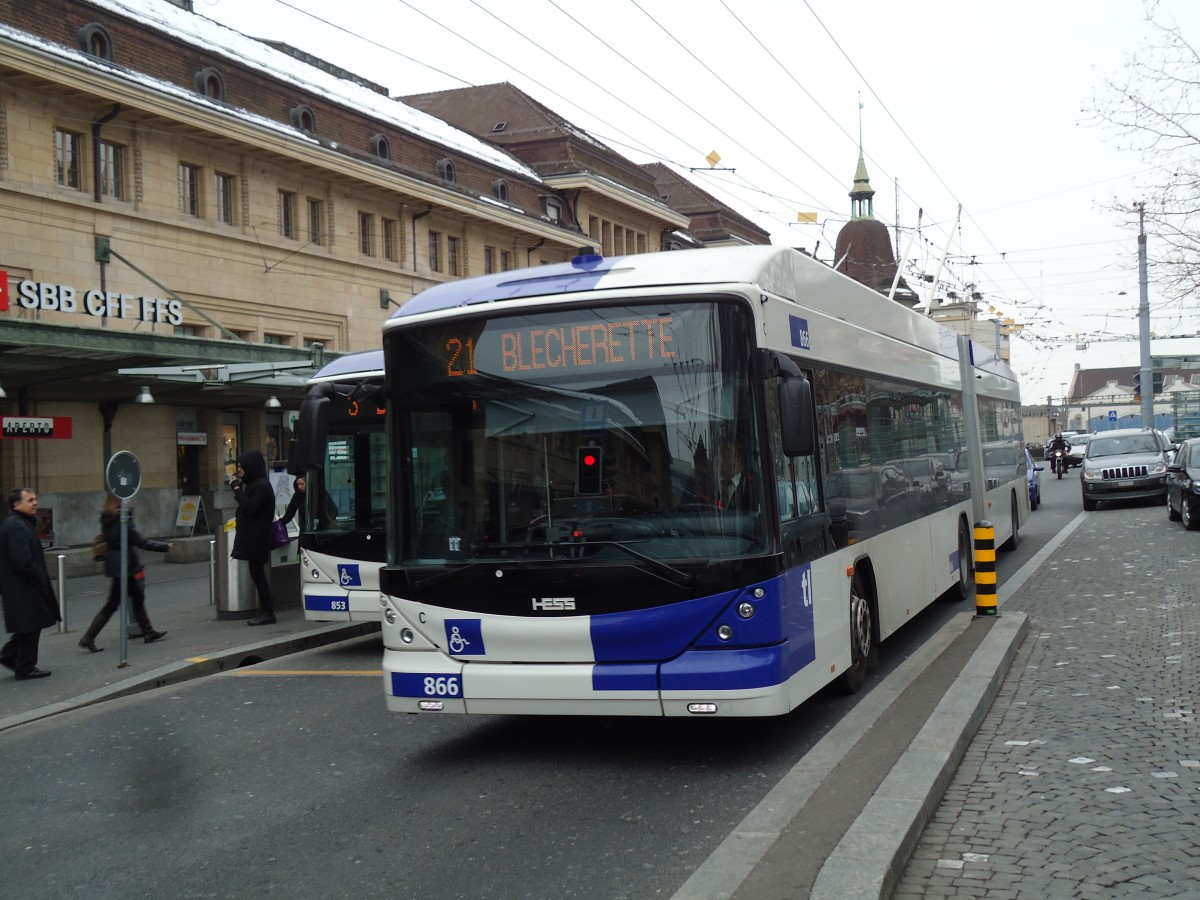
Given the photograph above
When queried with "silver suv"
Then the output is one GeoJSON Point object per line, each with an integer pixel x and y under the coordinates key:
{"type": "Point", "coordinates": [1126, 463]}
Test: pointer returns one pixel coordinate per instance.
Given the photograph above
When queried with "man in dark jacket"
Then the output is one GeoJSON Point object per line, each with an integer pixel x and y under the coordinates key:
{"type": "Point", "coordinates": [29, 601]}
{"type": "Point", "coordinates": [252, 542]}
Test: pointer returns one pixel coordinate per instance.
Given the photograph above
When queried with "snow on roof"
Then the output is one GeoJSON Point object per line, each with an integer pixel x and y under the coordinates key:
{"type": "Point", "coordinates": [196, 30]}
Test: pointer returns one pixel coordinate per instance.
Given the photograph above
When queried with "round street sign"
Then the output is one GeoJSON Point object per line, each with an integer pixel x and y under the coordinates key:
{"type": "Point", "coordinates": [123, 475]}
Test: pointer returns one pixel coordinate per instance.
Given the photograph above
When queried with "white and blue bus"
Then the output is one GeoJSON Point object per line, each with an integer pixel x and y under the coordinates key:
{"type": "Point", "coordinates": [341, 450]}
{"type": "Point", "coordinates": [703, 482]}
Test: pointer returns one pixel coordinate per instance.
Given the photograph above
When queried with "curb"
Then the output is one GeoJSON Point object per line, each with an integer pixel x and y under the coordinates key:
{"type": "Point", "coordinates": [873, 853]}
{"type": "Point", "coordinates": [199, 666]}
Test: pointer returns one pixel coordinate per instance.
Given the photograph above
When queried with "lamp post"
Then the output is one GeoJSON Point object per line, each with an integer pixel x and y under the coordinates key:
{"type": "Point", "coordinates": [1147, 375]}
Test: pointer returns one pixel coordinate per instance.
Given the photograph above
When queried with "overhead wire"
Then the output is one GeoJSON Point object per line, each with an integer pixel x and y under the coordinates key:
{"type": "Point", "coordinates": [741, 186]}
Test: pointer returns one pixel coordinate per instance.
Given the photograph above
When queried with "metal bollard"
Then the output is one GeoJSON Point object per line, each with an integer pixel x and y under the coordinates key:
{"type": "Point", "coordinates": [212, 572]}
{"type": "Point", "coordinates": [985, 569]}
{"type": "Point", "coordinates": [62, 594]}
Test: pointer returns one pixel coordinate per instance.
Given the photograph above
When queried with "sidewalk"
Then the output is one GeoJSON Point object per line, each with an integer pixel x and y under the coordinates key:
{"type": "Point", "coordinates": [1083, 780]}
{"type": "Point", "coordinates": [197, 643]}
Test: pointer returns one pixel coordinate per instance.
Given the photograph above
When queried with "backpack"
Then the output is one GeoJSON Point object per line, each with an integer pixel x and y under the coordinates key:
{"type": "Point", "coordinates": [99, 547]}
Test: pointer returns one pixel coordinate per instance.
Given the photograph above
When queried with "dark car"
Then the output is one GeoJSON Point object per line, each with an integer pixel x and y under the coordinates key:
{"type": "Point", "coordinates": [1032, 475]}
{"type": "Point", "coordinates": [1124, 464]}
{"type": "Point", "coordinates": [1183, 485]}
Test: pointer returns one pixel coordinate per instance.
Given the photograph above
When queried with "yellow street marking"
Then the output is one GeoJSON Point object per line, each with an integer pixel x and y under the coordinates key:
{"type": "Point", "coordinates": [339, 672]}
{"type": "Point", "coordinates": [197, 659]}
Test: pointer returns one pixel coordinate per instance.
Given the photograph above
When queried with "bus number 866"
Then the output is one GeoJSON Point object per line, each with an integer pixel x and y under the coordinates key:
{"type": "Point", "coordinates": [441, 687]}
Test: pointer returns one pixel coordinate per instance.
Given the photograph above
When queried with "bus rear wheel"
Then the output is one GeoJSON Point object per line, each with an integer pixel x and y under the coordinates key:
{"type": "Point", "coordinates": [861, 638]}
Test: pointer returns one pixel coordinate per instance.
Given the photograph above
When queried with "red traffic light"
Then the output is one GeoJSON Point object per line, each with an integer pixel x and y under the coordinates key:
{"type": "Point", "coordinates": [588, 477]}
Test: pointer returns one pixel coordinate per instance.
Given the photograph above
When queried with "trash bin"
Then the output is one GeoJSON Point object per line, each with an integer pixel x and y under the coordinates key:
{"type": "Point", "coordinates": [284, 574]}
{"type": "Point", "coordinates": [236, 597]}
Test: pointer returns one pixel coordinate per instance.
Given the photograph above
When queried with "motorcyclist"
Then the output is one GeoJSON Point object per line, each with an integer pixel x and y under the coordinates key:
{"type": "Point", "coordinates": [1058, 442]}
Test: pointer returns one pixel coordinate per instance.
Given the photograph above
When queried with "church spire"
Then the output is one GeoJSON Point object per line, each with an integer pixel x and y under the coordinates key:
{"type": "Point", "coordinates": [862, 196]}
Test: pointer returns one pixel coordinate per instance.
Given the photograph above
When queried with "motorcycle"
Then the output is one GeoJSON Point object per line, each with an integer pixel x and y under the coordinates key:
{"type": "Point", "coordinates": [1058, 462]}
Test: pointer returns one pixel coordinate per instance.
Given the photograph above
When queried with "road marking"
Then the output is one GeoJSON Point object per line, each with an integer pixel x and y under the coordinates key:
{"type": "Point", "coordinates": [345, 673]}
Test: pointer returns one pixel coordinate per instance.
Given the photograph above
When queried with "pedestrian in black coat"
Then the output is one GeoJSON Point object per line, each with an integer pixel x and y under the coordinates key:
{"type": "Point", "coordinates": [135, 579]}
{"type": "Point", "coordinates": [28, 597]}
{"type": "Point", "coordinates": [252, 542]}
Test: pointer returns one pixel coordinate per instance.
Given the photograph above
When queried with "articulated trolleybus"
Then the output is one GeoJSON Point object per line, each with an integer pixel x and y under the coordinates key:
{"type": "Point", "coordinates": [341, 450]}
{"type": "Point", "coordinates": [702, 482]}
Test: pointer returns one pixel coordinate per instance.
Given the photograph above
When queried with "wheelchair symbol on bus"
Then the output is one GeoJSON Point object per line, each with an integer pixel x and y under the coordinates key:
{"type": "Point", "coordinates": [348, 576]}
{"type": "Point", "coordinates": [464, 637]}
{"type": "Point", "coordinates": [458, 643]}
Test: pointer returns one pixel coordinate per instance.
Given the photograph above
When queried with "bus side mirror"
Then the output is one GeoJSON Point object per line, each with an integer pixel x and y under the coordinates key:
{"type": "Point", "coordinates": [312, 431]}
{"type": "Point", "coordinates": [796, 417]}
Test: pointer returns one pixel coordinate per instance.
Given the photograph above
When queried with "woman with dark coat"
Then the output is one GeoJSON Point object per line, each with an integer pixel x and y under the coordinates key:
{"type": "Point", "coordinates": [28, 597]}
{"type": "Point", "coordinates": [252, 541]}
{"type": "Point", "coordinates": [295, 506]}
{"type": "Point", "coordinates": [135, 580]}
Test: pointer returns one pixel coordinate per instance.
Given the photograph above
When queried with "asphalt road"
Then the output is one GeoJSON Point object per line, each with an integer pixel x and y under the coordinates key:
{"type": "Point", "coordinates": [291, 778]}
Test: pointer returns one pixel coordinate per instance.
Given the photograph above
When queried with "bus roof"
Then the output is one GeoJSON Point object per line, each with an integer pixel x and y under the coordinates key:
{"type": "Point", "coordinates": [781, 271]}
{"type": "Point", "coordinates": [775, 269]}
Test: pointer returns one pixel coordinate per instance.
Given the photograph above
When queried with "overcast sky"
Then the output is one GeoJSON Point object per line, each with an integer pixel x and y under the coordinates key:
{"type": "Point", "coordinates": [963, 102]}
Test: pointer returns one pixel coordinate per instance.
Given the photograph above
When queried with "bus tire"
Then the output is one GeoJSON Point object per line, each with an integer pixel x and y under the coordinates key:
{"type": "Point", "coordinates": [862, 634]}
{"type": "Point", "coordinates": [966, 561]}
{"type": "Point", "coordinates": [1015, 538]}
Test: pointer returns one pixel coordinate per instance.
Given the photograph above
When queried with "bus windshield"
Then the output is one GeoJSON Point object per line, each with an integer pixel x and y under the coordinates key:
{"type": "Point", "coordinates": [601, 433]}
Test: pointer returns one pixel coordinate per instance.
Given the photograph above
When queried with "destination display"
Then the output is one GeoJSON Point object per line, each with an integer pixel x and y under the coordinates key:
{"type": "Point", "coordinates": [560, 346]}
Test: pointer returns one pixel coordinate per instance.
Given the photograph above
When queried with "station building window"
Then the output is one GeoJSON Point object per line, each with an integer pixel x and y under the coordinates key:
{"type": "Point", "coordinates": [285, 210]}
{"type": "Point", "coordinates": [366, 233]}
{"type": "Point", "coordinates": [68, 159]}
{"type": "Point", "coordinates": [189, 189]}
{"type": "Point", "coordinates": [112, 170]}
{"type": "Point", "coordinates": [224, 201]}
{"type": "Point", "coordinates": [316, 215]}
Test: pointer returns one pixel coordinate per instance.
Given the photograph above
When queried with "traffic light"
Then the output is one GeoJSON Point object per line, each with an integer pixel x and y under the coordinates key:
{"type": "Point", "coordinates": [1158, 381]}
{"type": "Point", "coordinates": [589, 465]}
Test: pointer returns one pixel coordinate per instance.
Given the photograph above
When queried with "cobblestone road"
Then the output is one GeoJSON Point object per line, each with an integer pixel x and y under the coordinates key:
{"type": "Point", "coordinates": [1084, 779]}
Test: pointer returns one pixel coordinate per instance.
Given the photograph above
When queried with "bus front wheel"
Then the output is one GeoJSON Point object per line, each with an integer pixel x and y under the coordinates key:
{"type": "Point", "coordinates": [861, 638]}
{"type": "Point", "coordinates": [966, 560]}
{"type": "Point", "coordinates": [1015, 538]}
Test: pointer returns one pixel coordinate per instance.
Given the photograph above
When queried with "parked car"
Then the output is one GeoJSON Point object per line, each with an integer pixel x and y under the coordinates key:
{"type": "Point", "coordinates": [1078, 444]}
{"type": "Point", "coordinates": [1124, 464]}
{"type": "Point", "coordinates": [1035, 480]}
{"type": "Point", "coordinates": [1183, 485]}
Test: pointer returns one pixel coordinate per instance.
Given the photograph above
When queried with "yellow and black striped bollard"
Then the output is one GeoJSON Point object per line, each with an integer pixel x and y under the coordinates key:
{"type": "Point", "coordinates": [985, 569]}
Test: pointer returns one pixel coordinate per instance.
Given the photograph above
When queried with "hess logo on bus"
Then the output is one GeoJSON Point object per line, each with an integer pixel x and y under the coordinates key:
{"type": "Point", "coordinates": [554, 603]}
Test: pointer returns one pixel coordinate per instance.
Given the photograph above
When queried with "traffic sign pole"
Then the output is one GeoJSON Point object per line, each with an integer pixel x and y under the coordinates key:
{"type": "Point", "coordinates": [123, 478]}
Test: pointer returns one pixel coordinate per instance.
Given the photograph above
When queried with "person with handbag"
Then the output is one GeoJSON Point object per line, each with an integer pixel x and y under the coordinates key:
{"type": "Point", "coordinates": [135, 575]}
{"type": "Point", "coordinates": [252, 541]}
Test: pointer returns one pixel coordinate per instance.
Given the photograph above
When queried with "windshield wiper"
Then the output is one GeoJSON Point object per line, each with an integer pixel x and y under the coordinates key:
{"type": "Point", "coordinates": [560, 550]}
{"type": "Point", "coordinates": [670, 573]}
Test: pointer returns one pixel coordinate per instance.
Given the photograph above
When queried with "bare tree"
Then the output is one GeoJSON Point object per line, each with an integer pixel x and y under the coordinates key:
{"type": "Point", "coordinates": [1155, 111]}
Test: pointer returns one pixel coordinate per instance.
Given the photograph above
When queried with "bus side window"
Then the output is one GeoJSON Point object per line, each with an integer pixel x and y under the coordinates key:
{"type": "Point", "coordinates": [784, 486]}
{"type": "Point", "coordinates": [806, 484]}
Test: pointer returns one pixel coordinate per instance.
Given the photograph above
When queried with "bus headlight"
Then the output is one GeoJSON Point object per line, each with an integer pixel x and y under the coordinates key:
{"type": "Point", "coordinates": [725, 632]}
{"type": "Point", "coordinates": [746, 610]}
{"type": "Point", "coordinates": [406, 634]}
